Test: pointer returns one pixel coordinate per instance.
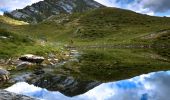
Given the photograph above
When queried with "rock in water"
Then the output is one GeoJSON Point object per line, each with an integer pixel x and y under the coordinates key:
{"type": "Point", "coordinates": [32, 58]}
{"type": "Point", "coordinates": [4, 75]}
{"type": "Point", "coordinates": [23, 65]}
{"type": "Point", "coordinates": [5, 95]}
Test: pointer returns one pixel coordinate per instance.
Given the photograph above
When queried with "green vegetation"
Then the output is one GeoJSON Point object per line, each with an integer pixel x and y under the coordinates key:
{"type": "Point", "coordinates": [98, 27]}
{"type": "Point", "coordinates": [11, 21]}
{"type": "Point", "coordinates": [13, 45]}
{"type": "Point", "coordinates": [162, 45]}
{"type": "Point", "coordinates": [115, 64]}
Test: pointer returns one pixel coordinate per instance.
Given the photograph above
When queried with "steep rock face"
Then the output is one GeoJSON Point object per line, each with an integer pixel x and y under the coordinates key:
{"type": "Point", "coordinates": [5, 95]}
{"type": "Point", "coordinates": [44, 9]}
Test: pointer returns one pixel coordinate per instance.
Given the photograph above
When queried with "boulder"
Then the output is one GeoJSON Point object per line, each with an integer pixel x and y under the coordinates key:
{"type": "Point", "coordinates": [4, 75]}
{"type": "Point", "coordinates": [32, 58]}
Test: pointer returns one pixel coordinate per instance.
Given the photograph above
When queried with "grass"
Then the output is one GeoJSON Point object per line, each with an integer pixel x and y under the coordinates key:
{"type": "Point", "coordinates": [11, 21]}
{"type": "Point", "coordinates": [161, 45]}
{"type": "Point", "coordinates": [116, 64]}
{"type": "Point", "coordinates": [15, 45]}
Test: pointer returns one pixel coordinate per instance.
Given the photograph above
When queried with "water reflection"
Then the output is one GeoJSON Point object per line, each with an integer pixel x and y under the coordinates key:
{"type": "Point", "coordinates": [153, 86]}
{"type": "Point", "coordinates": [107, 64]}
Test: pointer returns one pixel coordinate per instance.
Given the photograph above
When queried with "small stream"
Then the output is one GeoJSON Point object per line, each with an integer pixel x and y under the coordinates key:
{"type": "Point", "coordinates": [22, 76]}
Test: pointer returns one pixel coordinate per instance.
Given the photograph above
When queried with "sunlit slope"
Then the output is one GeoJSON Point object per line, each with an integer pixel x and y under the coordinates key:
{"type": "Point", "coordinates": [7, 20]}
{"type": "Point", "coordinates": [14, 42]}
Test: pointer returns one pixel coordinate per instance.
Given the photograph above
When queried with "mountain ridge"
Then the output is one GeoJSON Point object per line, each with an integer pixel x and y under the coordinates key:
{"type": "Point", "coordinates": [37, 12]}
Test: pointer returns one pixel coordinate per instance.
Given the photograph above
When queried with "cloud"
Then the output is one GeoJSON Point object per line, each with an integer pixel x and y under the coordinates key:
{"type": "Point", "coordinates": [150, 7]}
{"type": "Point", "coordinates": [9, 5]}
{"type": "Point", "coordinates": [156, 5]}
{"type": "Point", "coordinates": [1, 12]}
{"type": "Point", "coordinates": [110, 3]}
{"type": "Point", "coordinates": [138, 6]}
{"type": "Point", "coordinates": [134, 5]}
{"type": "Point", "coordinates": [153, 86]}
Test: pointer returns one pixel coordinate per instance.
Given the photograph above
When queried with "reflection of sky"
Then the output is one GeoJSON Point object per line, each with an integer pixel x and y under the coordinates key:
{"type": "Point", "coordinates": [153, 86]}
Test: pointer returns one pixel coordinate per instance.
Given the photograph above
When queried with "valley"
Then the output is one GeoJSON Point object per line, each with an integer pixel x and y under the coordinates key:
{"type": "Point", "coordinates": [84, 49]}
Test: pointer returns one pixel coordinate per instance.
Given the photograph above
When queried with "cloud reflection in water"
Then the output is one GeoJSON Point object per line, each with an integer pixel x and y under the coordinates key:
{"type": "Point", "coordinates": [153, 86]}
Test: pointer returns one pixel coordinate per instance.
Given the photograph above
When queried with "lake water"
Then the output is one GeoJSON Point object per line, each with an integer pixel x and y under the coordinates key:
{"type": "Point", "coordinates": [152, 86]}
{"type": "Point", "coordinates": [125, 74]}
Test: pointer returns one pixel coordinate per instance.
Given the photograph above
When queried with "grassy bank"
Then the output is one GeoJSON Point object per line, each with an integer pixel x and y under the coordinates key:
{"type": "Point", "coordinates": [115, 64]}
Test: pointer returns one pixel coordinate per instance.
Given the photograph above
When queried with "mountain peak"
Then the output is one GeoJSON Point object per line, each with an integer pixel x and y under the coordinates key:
{"type": "Point", "coordinates": [44, 9]}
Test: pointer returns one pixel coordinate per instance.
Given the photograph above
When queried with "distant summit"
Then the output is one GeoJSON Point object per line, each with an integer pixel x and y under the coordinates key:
{"type": "Point", "coordinates": [44, 9]}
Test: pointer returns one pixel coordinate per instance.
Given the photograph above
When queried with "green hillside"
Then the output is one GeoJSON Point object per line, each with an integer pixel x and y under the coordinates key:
{"type": "Point", "coordinates": [109, 25]}
{"type": "Point", "coordinates": [14, 43]}
{"type": "Point", "coordinates": [103, 26]}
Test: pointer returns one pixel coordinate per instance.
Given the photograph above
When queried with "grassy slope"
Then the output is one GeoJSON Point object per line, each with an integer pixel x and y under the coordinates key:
{"type": "Point", "coordinates": [17, 43]}
{"type": "Point", "coordinates": [11, 21]}
{"type": "Point", "coordinates": [96, 27]}
{"type": "Point", "coordinates": [100, 26]}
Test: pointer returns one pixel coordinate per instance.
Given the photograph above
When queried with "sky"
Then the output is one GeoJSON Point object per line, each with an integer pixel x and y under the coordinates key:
{"type": "Point", "coordinates": [150, 7]}
{"type": "Point", "coordinates": [152, 86]}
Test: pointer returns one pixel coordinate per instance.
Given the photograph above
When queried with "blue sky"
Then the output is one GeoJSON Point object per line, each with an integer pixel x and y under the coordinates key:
{"type": "Point", "coordinates": [150, 7]}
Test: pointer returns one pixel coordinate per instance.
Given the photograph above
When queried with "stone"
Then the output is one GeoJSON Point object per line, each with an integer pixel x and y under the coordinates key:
{"type": "Point", "coordinates": [23, 65]}
{"type": "Point", "coordinates": [4, 75]}
{"type": "Point", "coordinates": [32, 58]}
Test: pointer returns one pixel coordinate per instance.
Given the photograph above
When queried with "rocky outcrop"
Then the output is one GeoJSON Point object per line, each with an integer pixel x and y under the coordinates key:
{"type": "Point", "coordinates": [44, 9]}
{"type": "Point", "coordinates": [5, 95]}
{"type": "Point", "coordinates": [67, 85]}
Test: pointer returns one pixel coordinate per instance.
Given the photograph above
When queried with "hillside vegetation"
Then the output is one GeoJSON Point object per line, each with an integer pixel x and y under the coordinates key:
{"type": "Point", "coordinates": [14, 43]}
{"type": "Point", "coordinates": [162, 45]}
{"type": "Point", "coordinates": [103, 27]}
{"type": "Point", "coordinates": [7, 20]}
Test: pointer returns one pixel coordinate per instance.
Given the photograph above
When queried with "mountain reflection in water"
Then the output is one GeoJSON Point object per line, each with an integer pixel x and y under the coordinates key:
{"type": "Point", "coordinates": [152, 86]}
